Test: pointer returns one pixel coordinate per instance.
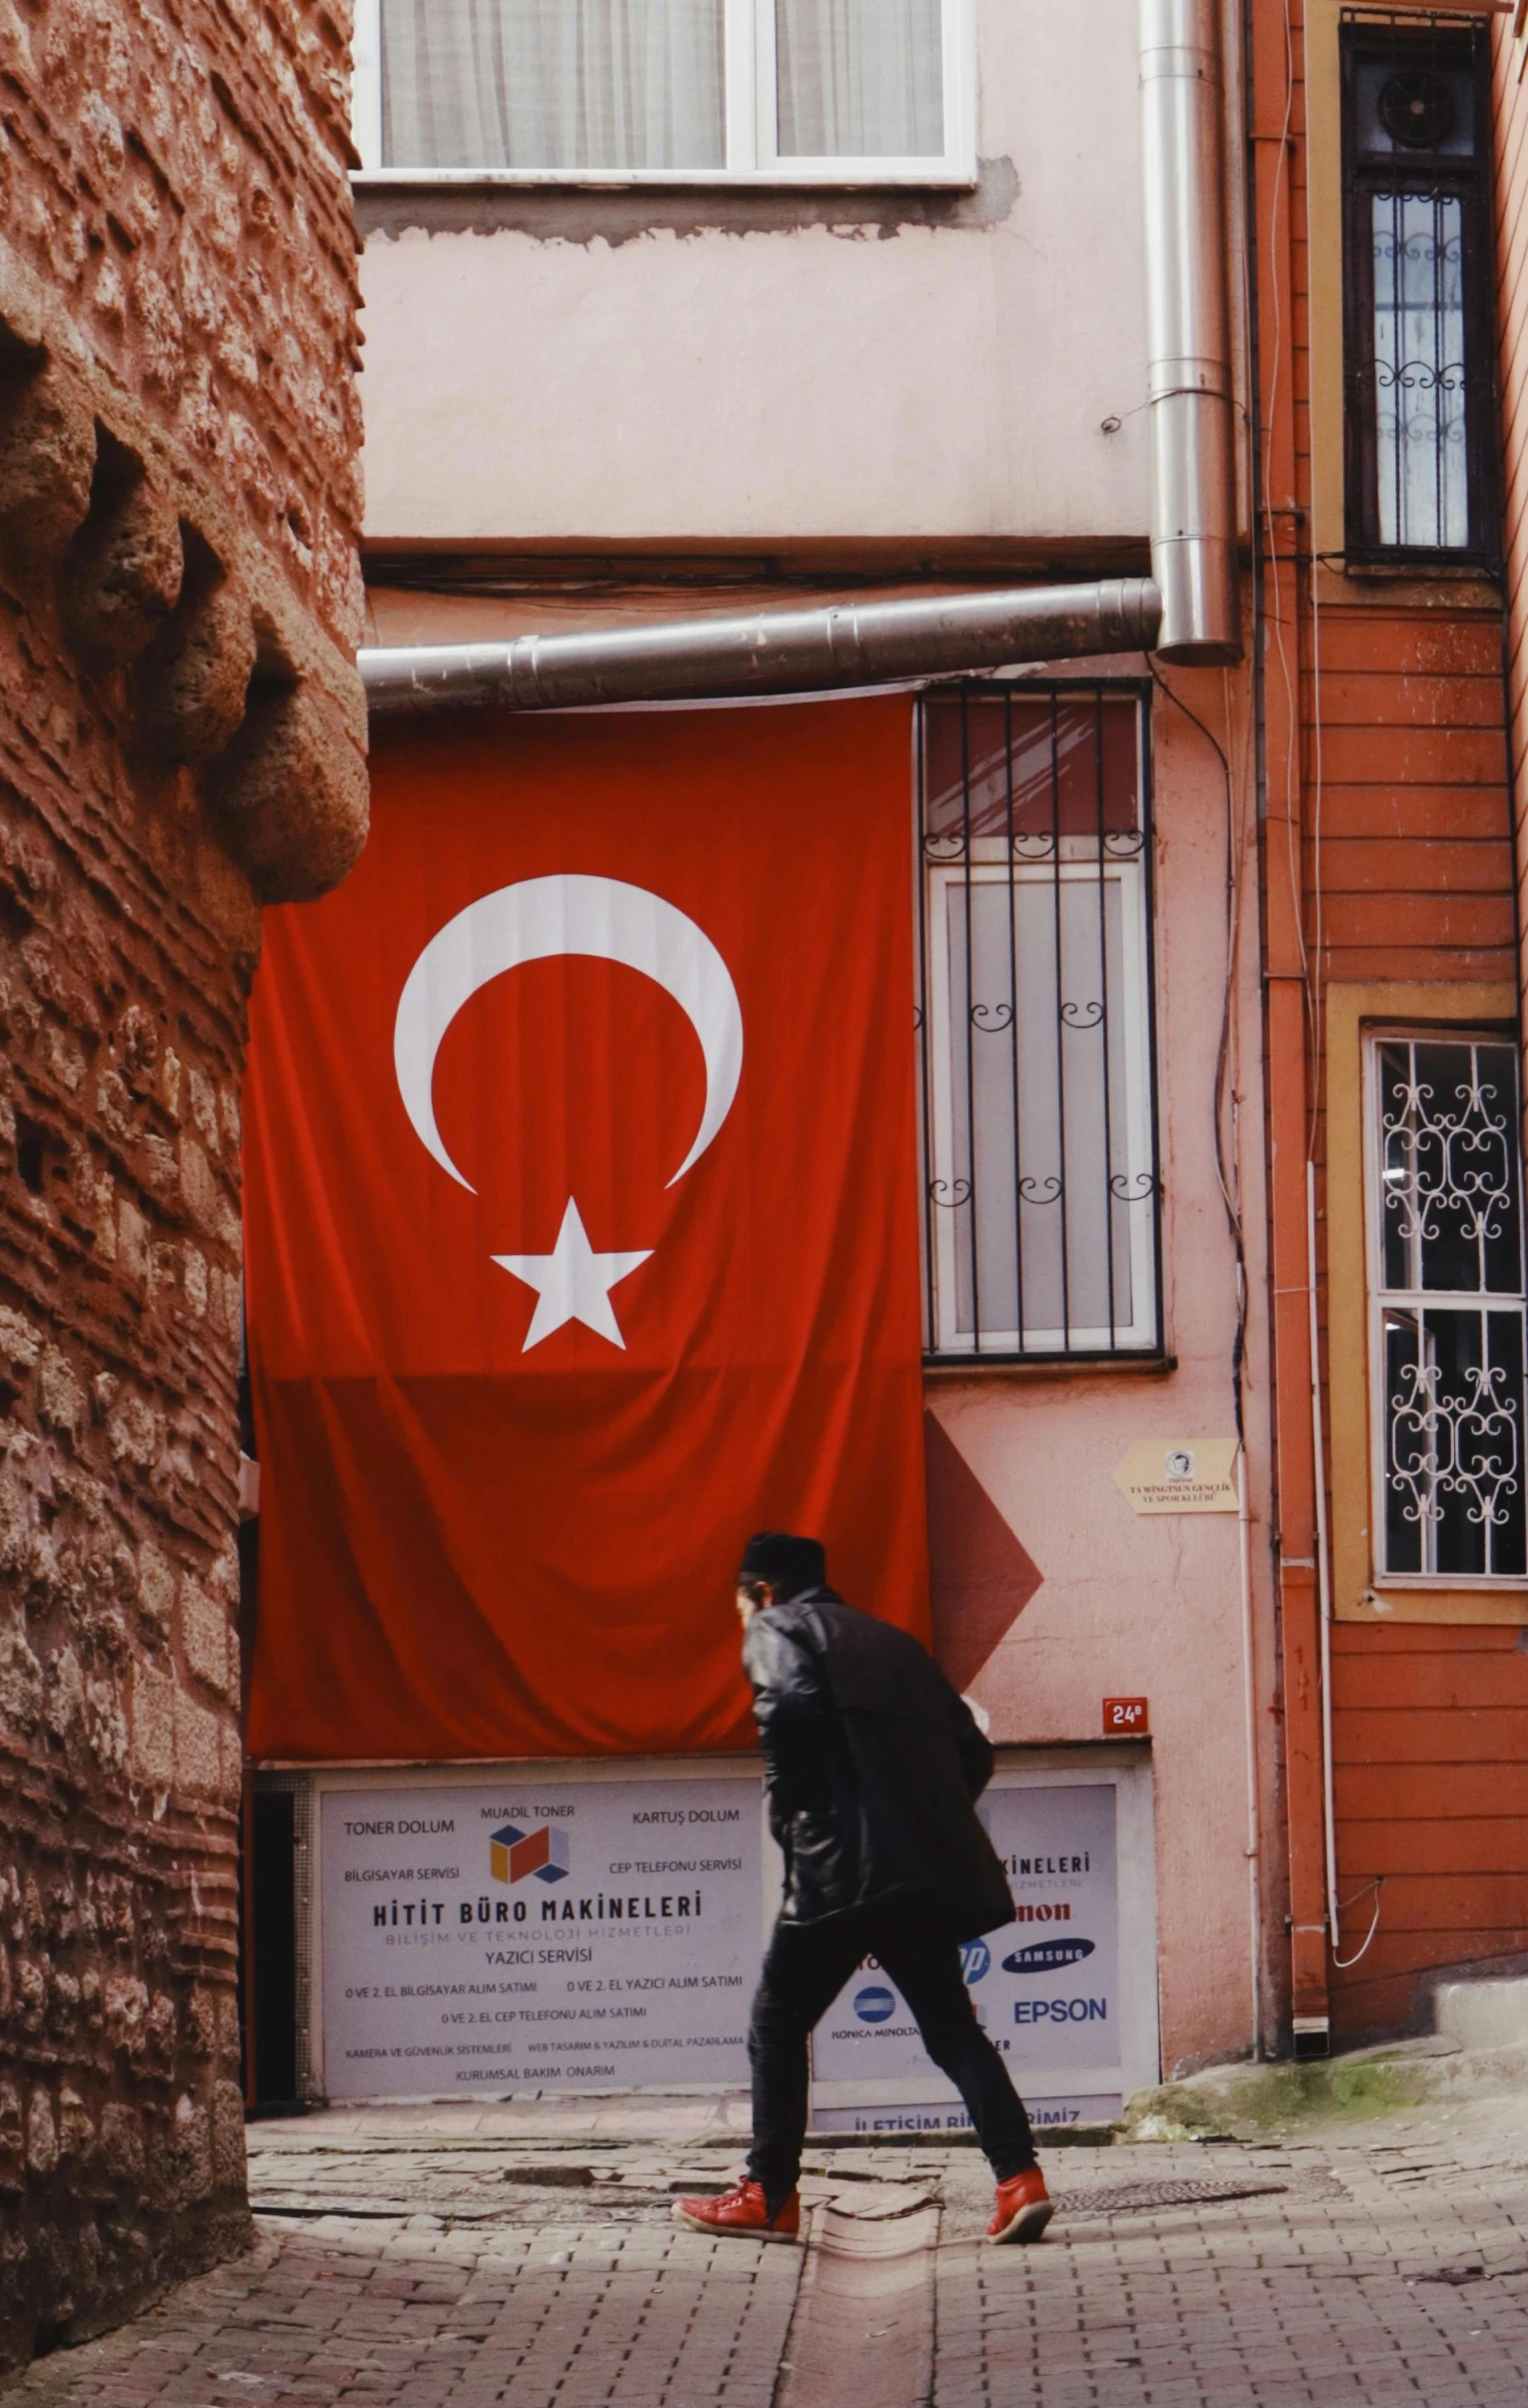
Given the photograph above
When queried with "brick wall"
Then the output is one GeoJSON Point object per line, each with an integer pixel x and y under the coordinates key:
{"type": "Point", "coordinates": [181, 736]}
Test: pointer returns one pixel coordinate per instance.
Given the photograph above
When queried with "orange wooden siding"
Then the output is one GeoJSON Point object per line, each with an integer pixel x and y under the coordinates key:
{"type": "Point", "coordinates": [1415, 882]}
{"type": "Point", "coordinates": [1409, 777]}
{"type": "Point", "coordinates": [1406, 866]}
{"type": "Point", "coordinates": [1431, 1771]}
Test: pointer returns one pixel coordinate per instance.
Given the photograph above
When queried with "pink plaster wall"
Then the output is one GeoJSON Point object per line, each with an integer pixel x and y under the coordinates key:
{"type": "Point", "coordinates": [1150, 1605]}
{"type": "Point", "coordinates": [835, 379]}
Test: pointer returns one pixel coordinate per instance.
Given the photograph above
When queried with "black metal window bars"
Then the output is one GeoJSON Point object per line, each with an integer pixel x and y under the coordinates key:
{"type": "Point", "coordinates": [1034, 1010]}
{"type": "Point", "coordinates": [1420, 429]}
{"type": "Point", "coordinates": [1449, 1298]}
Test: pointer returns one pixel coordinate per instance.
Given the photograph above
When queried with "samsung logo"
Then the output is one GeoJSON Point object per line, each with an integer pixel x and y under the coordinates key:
{"type": "Point", "coordinates": [1046, 1955]}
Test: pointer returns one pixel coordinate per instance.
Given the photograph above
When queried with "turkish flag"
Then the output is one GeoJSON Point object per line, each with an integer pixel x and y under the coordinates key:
{"type": "Point", "coordinates": [581, 1173]}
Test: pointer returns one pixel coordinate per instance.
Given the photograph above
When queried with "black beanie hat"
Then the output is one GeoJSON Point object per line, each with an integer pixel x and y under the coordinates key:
{"type": "Point", "coordinates": [788, 1563]}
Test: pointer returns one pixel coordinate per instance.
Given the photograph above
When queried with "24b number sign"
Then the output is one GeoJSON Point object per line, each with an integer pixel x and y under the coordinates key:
{"type": "Point", "coordinates": [1126, 1718]}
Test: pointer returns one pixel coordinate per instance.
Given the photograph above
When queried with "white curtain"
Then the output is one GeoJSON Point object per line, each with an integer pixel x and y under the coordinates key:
{"type": "Point", "coordinates": [1039, 1080]}
{"type": "Point", "coordinates": [859, 79]}
{"type": "Point", "coordinates": [1424, 492]}
{"type": "Point", "coordinates": [553, 83]}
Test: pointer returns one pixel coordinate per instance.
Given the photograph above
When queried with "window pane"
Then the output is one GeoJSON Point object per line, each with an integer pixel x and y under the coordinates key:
{"type": "Point", "coordinates": [1072, 770]}
{"type": "Point", "coordinates": [1419, 373]}
{"type": "Point", "coordinates": [1453, 1441]}
{"type": "Point", "coordinates": [1450, 1205]}
{"type": "Point", "coordinates": [553, 83]}
{"type": "Point", "coordinates": [1034, 1101]}
{"type": "Point", "coordinates": [1038, 1080]}
{"type": "Point", "coordinates": [859, 79]}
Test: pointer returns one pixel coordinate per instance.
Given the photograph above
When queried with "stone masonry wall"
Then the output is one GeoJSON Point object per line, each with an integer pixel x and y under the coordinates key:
{"type": "Point", "coordinates": [175, 175]}
{"type": "Point", "coordinates": [181, 736]}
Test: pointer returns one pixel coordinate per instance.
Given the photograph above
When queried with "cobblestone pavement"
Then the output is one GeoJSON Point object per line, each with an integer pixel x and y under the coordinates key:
{"type": "Point", "coordinates": [418, 2263]}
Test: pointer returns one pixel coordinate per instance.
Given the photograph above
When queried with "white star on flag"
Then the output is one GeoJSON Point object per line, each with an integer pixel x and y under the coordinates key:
{"type": "Point", "coordinates": [572, 1283]}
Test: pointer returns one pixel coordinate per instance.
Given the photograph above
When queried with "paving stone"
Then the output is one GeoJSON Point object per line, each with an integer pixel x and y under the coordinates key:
{"type": "Point", "coordinates": [1347, 2285]}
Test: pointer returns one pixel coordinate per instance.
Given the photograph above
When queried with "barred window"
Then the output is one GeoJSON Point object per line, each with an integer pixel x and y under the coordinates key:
{"type": "Point", "coordinates": [1447, 1305]}
{"type": "Point", "coordinates": [1034, 1010]}
{"type": "Point", "coordinates": [1417, 291]}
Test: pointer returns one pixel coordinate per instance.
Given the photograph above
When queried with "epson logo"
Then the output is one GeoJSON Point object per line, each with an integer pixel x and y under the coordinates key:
{"type": "Point", "coordinates": [1047, 1956]}
{"type": "Point", "coordinates": [1060, 2011]}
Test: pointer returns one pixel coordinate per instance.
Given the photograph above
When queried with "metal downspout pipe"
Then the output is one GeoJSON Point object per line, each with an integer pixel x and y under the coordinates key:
{"type": "Point", "coordinates": [1190, 397]}
{"type": "Point", "coordinates": [769, 651]}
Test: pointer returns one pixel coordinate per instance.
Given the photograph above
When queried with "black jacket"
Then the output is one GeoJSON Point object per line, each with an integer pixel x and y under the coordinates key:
{"type": "Point", "coordinates": [871, 1764]}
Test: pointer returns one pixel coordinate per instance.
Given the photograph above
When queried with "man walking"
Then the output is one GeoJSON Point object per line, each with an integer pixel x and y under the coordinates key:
{"type": "Point", "coordinates": [872, 1764]}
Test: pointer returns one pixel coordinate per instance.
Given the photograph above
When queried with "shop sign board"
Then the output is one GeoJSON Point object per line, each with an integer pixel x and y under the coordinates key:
{"type": "Point", "coordinates": [1047, 1988]}
{"type": "Point", "coordinates": [484, 1931]}
{"type": "Point", "coordinates": [535, 1930]}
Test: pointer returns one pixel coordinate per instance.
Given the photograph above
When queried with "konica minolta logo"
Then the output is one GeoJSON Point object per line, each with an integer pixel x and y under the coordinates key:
{"type": "Point", "coordinates": [1047, 1956]}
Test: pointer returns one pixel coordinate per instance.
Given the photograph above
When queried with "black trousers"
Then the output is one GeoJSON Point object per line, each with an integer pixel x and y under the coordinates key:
{"type": "Point", "coordinates": [806, 1966]}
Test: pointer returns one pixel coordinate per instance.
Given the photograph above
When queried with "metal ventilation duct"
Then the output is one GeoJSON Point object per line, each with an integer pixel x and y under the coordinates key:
{"type": "Point", "coordinates": [769, 651]}
{"type": "Point", "coordinates": [1188, 354]}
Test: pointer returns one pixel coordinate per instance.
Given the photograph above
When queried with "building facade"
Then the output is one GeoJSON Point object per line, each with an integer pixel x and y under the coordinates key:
{"type": "Point", "coordinates": [725, 358]}
{"type": "Point", "coordinates": [787, 327]}
{"type": "Point", "coordinates": [183, 737]}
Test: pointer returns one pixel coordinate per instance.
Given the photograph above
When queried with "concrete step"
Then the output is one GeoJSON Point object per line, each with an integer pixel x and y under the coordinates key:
{"type": "Point", "coordinates": [1251, 2102]}
{"type": "Point", "coordinates": [1490, 2013]}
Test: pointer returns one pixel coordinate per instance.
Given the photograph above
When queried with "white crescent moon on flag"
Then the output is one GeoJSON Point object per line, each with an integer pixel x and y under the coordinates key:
{"type": "Point", "coordinates": [535, 920]}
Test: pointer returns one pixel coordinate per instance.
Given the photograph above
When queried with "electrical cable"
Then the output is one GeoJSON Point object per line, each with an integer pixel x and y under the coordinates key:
{"type": "Point", "coordinates": [1225, 1173]}
{"type": "Point", "coordinates": [1378, 1885]}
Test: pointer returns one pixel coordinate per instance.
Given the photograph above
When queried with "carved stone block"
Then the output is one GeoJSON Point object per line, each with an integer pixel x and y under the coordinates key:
{"type": "Point", "coordinates": [47, 457]}
{"type": "Point", "coordinates": [122, 573]}
{"type": "Point", "coordinates": [193, 679]}
{"type": "Point", "coordinates": [290, 797]}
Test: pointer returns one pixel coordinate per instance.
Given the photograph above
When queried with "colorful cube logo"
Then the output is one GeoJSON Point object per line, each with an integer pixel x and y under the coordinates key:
{"type": "Point", "coordinates": [512, 1853]}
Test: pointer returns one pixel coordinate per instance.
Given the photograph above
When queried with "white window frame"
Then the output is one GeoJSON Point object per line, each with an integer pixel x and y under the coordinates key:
{"type": "Point", "coordinates": [1379, 1296]}
{"type": "Point", "coordinates": [751, 156]}
{"type": "Point", "coordinates": [991, 866]}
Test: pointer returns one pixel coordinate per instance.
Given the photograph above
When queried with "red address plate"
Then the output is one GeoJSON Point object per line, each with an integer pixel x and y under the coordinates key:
{"type": "Point", "coordinates": [1126, 1718]}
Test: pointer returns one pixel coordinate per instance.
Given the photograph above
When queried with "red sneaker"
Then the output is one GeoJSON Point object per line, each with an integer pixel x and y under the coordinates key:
{"type": "Point", "coordinates": [1024, 2208]}
{"type": "Point", "coordinates": [744, 2211]}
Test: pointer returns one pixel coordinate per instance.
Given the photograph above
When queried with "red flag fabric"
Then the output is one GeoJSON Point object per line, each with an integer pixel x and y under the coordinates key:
{"type": "Point", "coordinates": [582, 1229]}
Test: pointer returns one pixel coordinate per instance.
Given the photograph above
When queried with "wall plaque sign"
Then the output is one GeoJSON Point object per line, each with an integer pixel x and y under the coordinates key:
{"type": "Point", "coordinates": [1179, 1475]}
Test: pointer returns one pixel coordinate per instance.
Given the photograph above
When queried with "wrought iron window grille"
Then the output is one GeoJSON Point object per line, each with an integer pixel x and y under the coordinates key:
{"type": "Point", "coordinates": [1035, 1023]}
{"type": "Point", "coordinates": [1449, 1307]}
{"type": "Point", "coordinates": [1419, 376]}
